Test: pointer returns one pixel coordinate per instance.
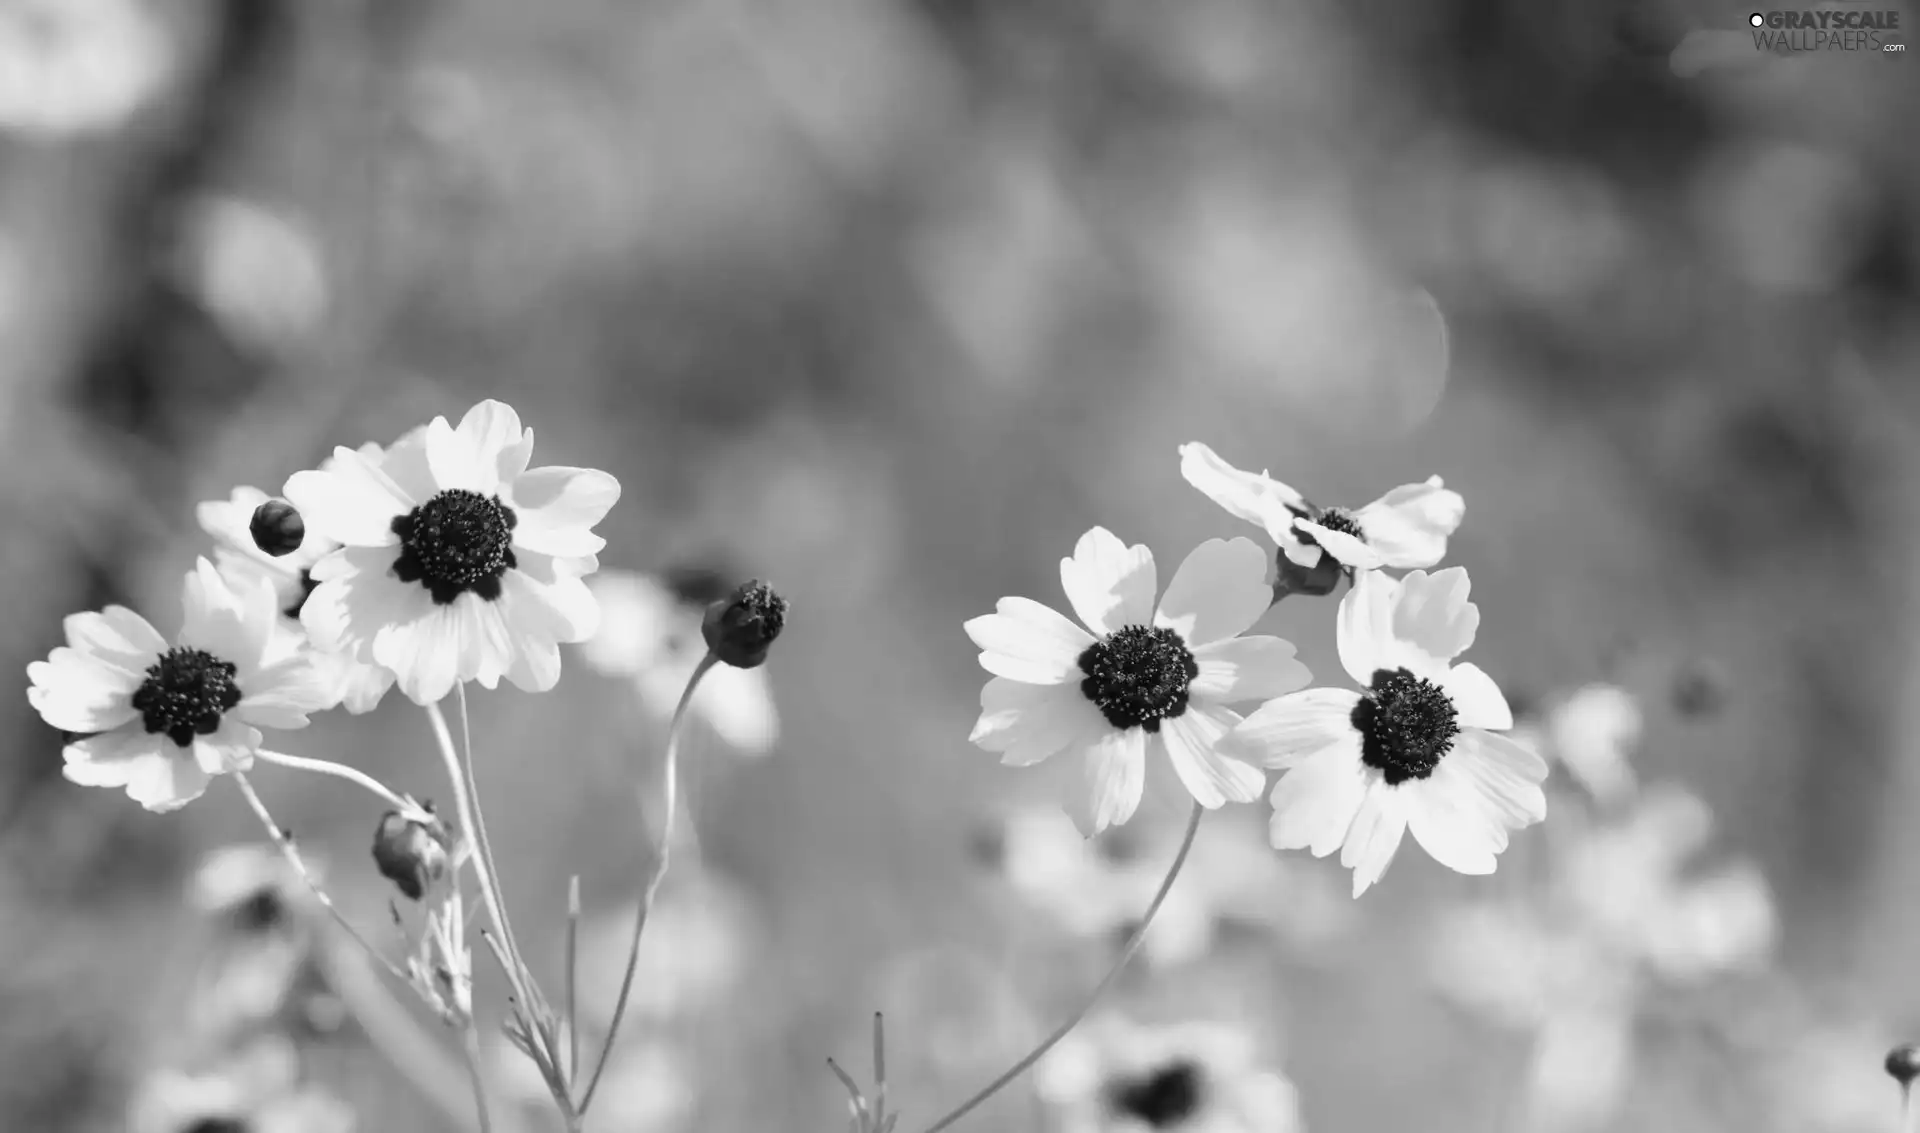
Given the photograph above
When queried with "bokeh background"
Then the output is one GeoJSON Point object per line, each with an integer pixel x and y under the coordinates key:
{"type": "Point", "coordinates": [888, 302]}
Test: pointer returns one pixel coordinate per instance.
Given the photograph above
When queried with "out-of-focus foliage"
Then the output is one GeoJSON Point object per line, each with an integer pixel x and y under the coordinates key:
{"type": "Point", "coordinates": [888, 302]}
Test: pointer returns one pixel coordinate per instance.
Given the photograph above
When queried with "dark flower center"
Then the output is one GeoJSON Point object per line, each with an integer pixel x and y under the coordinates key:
{"type": "Point", "coordinates": [455, 542]}
{"type": "Point", "coordinates": [307, 585]}
{"type": "Point", "coordinates": [1163, 1099]}
{"type": "Point", "coordinates": [1406, 724]}
{"type": "Point", "coordinates": [185, 693]}
{"type": "Point", "coordinates": [1335, 519]}
{"type": "Point", "coordinates": [1138, 676]}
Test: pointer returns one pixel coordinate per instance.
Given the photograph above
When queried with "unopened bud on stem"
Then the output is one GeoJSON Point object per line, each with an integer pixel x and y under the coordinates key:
{"type": "Point", "coordinates": [277, 528]}
{"type": "Point", "coordinates": [411, 850]}
{"type": "Point", "coordinates": [741, 627]}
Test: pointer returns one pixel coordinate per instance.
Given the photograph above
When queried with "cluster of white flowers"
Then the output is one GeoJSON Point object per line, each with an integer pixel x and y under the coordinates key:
{"type": "Point", "coordinates": [437, 559]}
{"type": "Point", "coordinates": [1418, 746]}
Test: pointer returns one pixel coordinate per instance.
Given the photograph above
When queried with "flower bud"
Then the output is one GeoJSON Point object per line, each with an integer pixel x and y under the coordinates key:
{"type": "Point", "coordinates": [411, 851]}
{"type": "Point", "coordinates": [1315, 581]}
{"type": "Point", "coordinates": [1903, 1062]}
{"type": "Point", "coordinates": [277, 528]}
{"type": "Point", "coordinates": [740, 628]}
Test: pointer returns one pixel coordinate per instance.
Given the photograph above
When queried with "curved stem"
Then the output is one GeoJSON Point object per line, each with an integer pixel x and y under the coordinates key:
{"type": "Point", "coordinates": [482, 861]}
{"type": "Point", "coordinates": [292, 854]}
{"type": "Point", "coordinates": [1126, 954]}
{"type": "Point", "coordinates": [482, 844]}
{"type": "Point", "coordinates": [470, 1046]}
{"type": "Point", "coordinates": [653, 879]}
{"type": "Point", "coordinates": [338, 771]}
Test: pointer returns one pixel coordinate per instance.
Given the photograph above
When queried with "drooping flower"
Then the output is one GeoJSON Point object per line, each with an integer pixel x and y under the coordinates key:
{"type": "Point", "coordinates": [1144, 677]}
{"type": "Point", "coordinates": [243, 561]}
{"type": "Point", "coordinates": [161, 721]}
{"type": "Point", "coordinates": [650, 633]}
{"type": "Point", "coordinates": [458, 562]}
{"type": "Point", "coordinates": [1418, 748]}
{"type": "Point", "coordinates": [1115, 1076]}
{"type": "Point", "coordinates": [1407, 527]}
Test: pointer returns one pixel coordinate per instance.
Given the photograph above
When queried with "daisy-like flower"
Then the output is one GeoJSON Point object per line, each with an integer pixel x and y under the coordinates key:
{"type": "Point", "coordinates": [256, 1088]}
{"type": "Point", "coordinates": [457, 562]}
{"type": "Point", "coordinates": [354, 684]}
{"type": "Point", "coordinates": [650, 634]}
{"type": "Point", "coordinates": [164, 720]}
{"type": "Point", "coordinates": [1407, 527]}
{"type": "Point", "coordinates": [1418, 748]}
{"type": "Point", "coordinates": [1144, 677]}
{"type": "Point", "coordinates": [1115, 1076]}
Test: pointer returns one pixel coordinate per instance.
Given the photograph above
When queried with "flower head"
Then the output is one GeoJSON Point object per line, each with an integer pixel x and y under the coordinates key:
{"type": "Point", "coordinates": [252, 533]}
{"type": "Point", "coordinates": [161, 720]}
{"type": "Point", "coordinates": [1418, 748]}
{"type": "Point", "coordinates": [1407, 527]}
{"type": "Point", "coordinates": [411, 850]}
{"type": "Point", "coordinates": [741, 627]}
{"type": "Point", "coordinates": [1114, 1076]}
{"type": "Point", "coordinates": [457, 562]}
{"type": "Point", "coordinates": [1143, 677]}
{"type": "Point", "coordinates": [650, 633]}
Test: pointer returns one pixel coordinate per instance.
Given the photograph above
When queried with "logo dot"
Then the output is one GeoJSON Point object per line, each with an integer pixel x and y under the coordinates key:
{"type": "Point", "coordinates": [1756, 19]}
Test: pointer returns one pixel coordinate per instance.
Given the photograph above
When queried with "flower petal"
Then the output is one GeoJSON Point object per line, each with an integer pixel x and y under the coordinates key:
{"type": "Point", "coordinates": [353, 502]}
{"type": "Point", "coordinates": [78, 693]}
{"type": "Point", "coordinates": [229, 748]}
{"type": "Point", "coordinates": [359, 595]}
{"type": "Point", "coordinates": [1348, 550]}
{"type": "Point", "coordinates": [424, 652]}
{"type": "Point", "coordinates": [493, 431]}
{"type": "Point", "coordinates": [233, 625]}
{"type": "Point", "coordinates": [1218, 592]}
{"type": "Point", "coordinates": [563, 610]}
{"type": "Point", "coordinates": [115, 635]}
{"type": "Point", "coordinates": [1505, 773]}
{"type": "Point", "coordinates": [282, 694]}
{"type": "Point", "coordinates": [1109, 583]}
{"type": "Point", "coordinates": [1375, 835]}
{"type": "Point", "coordinates": [557, 508]}
{"type": "Point", "coordinates": [1192, 742]}
{"type": "Point", "coordinates": [1247, 668]}
{"type": "Point", "coordinates": [1365, 631]}
{"type": "Point", "coordinates": [110, 759]}
{"type": "Point", "coordinates": [1451, 822]}
{"type": "Point", "coordinates": [456, 462]}
{"type": "Point", "coordinates": [1315, 803]}
{"type": "Point", "coordinates": [1253, 497]}
{"type": "Point", "coordinates": [1286, 732]}
{"type": "Point", "coordinates": [1030, 722]}
{"type": "Point", "coordinates": [1115, 776]}
{"type": "Point", "coordinates": [1476, 699]}
{"type": "Point", "coordinates": [1028, 642]}
{"type": "Point", "coordinates": [1409, 526]}
{"type": "Point", "coordinates": [1431, 613]}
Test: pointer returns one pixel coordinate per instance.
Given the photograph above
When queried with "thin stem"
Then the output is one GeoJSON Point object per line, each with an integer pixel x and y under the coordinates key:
{"type": "Point", "coordinates": [470, 1046]}
{"type": "Point", "coordinates": [282, 840]}
{"type": "Point", "coordinates": [338, 771]}
{"type": "Point", "coordinates": [573, 965]}
{"type": "Point", "coordinates": [1909, 1110]}
{"type": "Point", "coordinates": [1126, 954]}
{"type": "Point", "coordinates": [482, 844]}
{"type": "Point", "coordinates": [482, 861]}
{"type": "Point", "coordinates": [653, 879]}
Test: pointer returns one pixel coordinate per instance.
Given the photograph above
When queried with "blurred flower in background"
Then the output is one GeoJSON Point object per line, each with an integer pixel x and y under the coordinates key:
{"type": "Point", "coordinates": [75, 66]}
{"type": "Point", "coordinates": [257, 1089]}
{"type": "Point", "coordinates": [1113, 1075]}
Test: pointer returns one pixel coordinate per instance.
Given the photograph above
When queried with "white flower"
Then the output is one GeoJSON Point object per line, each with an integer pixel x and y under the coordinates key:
{"type": "Point", "coordinates": [1593, 733]}
{"type": "Point", "coordinates": [1416, 750]}
{"type": "Point", "coordinates": [165, 720]}
{"type": "Point", "coordinates": [242, 563]}
{"type": "Point", "coordinates": [1407, 527]}
{"type": "Point", "coordinates": [256, 1087]}
{"type": "Point", "coordinates": [650, 634]}
{"type": "Point", "coordinates": [1113, 1076]}
{"type": "Point", "coordinates": [458, 562]}
{"type": "Point", "coordinates": [1144, 676]}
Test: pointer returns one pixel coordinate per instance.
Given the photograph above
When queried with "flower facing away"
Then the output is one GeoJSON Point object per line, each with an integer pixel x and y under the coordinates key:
{"type": "Point", "coordinates": [650, 634]}
{"type": "Point", "coordinates": [1114, 1076]}
{"type": "Point", "coordinates": [161, 720]}
{"type": "Point", "coordinates": [1416, 749]}
{"type": "Point", "coordinates": [1144, 677]}
{"type": "Point", "coordinates": [1407, 527]}
{"type": "Point", "coordinates": [458, 562]}
{"type": "Point", "coordinates": [251, 533]}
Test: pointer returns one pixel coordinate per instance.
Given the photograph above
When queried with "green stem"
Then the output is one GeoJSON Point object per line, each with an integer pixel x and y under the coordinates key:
{"type": "Point", "coordinates": [1126, 954]}
{"type": "Point", "coordinates": [659, 872]}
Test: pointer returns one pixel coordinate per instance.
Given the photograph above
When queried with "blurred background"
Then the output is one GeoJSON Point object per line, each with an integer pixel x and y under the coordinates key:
{"type": "Point", "coordinates": [889, 302]}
